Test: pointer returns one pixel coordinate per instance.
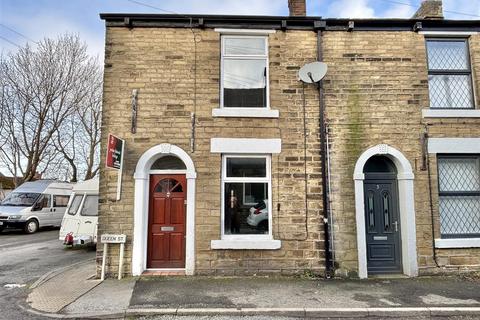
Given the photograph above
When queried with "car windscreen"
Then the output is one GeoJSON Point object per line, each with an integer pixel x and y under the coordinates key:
{"type": "Point", "coordinates": [90, 207]}
{"type": "Point", "coordinates": [20, 199]}
{"type": "Point", "coordinates": [72, 210]}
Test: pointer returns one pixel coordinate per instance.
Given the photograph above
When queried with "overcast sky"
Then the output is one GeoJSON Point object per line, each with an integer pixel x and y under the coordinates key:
{"type": "Point", "coordinates": [36, 19]}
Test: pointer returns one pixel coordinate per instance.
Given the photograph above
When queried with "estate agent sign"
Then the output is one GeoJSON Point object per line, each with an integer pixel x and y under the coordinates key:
{"type": "Point", "coordinates": [115, 154]}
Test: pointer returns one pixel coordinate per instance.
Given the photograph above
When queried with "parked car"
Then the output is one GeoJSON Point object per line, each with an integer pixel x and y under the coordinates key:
{"type": "Point", "coordinates": [34, 205]}
{"type": "Point", "coordinates": [258, 216]}
{"type": "Point", "coordinates": [79, 224]}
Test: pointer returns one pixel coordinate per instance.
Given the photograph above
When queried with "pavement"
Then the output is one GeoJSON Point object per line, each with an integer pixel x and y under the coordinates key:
{"type": "Point", "coordinates": [250, 297]}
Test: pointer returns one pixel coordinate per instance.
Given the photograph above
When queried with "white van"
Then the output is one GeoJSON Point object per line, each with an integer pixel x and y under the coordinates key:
{"type": "Point", "coordinates": [34, 205]}
{"type": "Point", "coordinates": [79, 225]}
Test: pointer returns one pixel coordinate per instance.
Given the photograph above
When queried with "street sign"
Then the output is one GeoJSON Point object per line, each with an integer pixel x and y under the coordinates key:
{"type": "Point", "coordinates": [113, 238]}
{"type": "Point", "coordinates": [115, 150]}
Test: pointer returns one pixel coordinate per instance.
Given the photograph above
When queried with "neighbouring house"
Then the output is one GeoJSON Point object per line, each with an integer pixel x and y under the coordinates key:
{"type": "Point", "coordinates": [7, 184]}
{"type": "Point", "coordinates": [234, 166]}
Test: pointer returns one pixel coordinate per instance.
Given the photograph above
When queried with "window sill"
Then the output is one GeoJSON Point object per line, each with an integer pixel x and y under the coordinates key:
{"type": "Point", "coordinates": [451, 113]}
{"type": "Point", "coordinates": [246, 244]}
{"type": "Point", "coordinates": [245, 112]}
{"type": "Point", "coordinates": [457, 243]}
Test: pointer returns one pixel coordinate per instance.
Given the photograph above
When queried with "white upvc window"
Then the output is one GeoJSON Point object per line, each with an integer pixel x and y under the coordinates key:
{"type": "Point", "coordinates": [246, 197]}
{"type": "Point", "coordinates": [244, 72]}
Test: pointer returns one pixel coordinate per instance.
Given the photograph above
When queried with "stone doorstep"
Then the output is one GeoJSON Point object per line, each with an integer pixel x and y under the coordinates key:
{"type": "Point", "coordinates": [150, 273]}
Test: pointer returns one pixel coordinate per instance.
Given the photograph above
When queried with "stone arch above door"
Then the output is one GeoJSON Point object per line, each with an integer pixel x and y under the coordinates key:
{"type": "Point", "coordinates": [405, 179]}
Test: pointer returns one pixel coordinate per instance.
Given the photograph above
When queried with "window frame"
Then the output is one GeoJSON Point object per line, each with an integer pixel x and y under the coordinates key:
{"type": "Point", "coordinates": [456, 193]}
{"type": "Point", "coordinates": [225, 179]}
{"type": "Point", "coordinates": [84, 200]}
{"type": "Point", "coordinates": [70, 203]}
{"type": "Point", "coordinates": [224, 56]}
{"type": "Point", "coordinates": [466, 72]}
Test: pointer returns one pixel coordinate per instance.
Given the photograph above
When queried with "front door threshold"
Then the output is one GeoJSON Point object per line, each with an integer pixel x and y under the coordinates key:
{"type": "Point", "coordinates": [163, 272]}
{"type": "Point", "coordinates": [388, 276]}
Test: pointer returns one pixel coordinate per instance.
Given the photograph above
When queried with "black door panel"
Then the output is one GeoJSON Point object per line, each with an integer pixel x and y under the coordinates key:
{"type": "Point", "coordinates": [382, 227]}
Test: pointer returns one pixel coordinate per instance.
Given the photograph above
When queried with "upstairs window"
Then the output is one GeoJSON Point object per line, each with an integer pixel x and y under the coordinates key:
{"type": "Point", "coordinates": [459, 196]}
{"type": "Point", "coordinates": [244, 68]}
{"type": "Point", "coordinates": [449, 74]}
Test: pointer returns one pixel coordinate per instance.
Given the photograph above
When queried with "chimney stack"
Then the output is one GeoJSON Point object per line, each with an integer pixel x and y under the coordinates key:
{"type": "Point", "coordinates": [429, 9]}
{"type": "Point", "coordinates": [297, 8]}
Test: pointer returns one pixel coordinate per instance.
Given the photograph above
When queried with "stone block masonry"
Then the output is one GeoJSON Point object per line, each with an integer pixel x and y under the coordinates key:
{"type": "Point", "coordinates": [375, 90]}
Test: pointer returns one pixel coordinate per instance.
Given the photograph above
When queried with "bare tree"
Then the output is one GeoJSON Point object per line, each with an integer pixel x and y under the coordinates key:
{"type": "Point", "coordinates": [44, 89]}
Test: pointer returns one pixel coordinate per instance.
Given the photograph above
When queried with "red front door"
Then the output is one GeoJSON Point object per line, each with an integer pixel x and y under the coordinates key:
{"type": "Point", "coordinates": [166, 221]}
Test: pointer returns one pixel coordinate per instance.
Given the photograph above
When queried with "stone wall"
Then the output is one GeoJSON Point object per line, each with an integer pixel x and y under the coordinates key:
{"type": "Point", "coordinates": [375, 90]}
{"type": "Point", "coordinates": [160, 64]}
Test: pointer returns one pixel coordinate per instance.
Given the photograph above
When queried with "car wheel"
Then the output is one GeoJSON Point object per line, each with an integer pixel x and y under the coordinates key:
{"type": "Point", "coordinates": [1, 228]}
{"type": "Point", "coordinates": [31, 226]}
{"type": "Point", "coordinates": [263, 225]}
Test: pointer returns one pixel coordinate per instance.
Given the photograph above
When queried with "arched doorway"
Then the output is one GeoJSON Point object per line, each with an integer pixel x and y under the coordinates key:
{"type": "Point", "coordinates": [382, 219]}
{"type": "Point", "coordinates": [397, 166]}
{"type": "Point", "coordinates": [164, 211]}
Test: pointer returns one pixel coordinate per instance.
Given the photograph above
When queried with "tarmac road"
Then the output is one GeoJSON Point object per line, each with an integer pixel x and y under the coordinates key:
{"type": "Point", "coordinates": [25, 258]}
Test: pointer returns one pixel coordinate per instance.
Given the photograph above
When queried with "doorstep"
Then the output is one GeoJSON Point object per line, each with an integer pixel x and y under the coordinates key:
{"type": "Point", "coordinates": [163, 273]}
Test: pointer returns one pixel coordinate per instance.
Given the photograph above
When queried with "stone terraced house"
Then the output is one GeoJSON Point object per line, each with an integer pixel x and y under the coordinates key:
{"type": "Point", "coordinates": [234, 166]}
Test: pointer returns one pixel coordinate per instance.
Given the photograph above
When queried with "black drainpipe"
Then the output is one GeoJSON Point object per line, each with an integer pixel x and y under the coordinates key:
{"type": "Point", "coordinates": [323, 152]}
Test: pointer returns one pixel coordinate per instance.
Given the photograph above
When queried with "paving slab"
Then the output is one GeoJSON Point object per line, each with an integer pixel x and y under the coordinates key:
{"type": "Point", "coordinates": [110, 296]}
{"type": "Point", "coordinates": [59, 291]}
{"type": "Point", "coordinates": [277, 292]}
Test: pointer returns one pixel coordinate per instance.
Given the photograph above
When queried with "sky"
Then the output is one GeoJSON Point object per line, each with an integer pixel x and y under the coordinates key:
{"type": "Point", "coordinates": [23, 21]}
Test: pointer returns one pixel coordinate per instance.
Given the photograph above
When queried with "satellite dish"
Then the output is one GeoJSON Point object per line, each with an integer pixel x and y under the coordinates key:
{"type": "Point", "coordinates": [312, 72]}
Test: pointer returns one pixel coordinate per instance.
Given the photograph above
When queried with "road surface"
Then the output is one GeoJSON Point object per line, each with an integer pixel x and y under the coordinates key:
{"type": "Point", "coordinates": [25, 258]}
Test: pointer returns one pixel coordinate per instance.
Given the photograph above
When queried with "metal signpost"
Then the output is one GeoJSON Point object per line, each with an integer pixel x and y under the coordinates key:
{"type": "Point", "coordinates": [115, 155]}
{"type": "Point", "coordinates": [113, 238]}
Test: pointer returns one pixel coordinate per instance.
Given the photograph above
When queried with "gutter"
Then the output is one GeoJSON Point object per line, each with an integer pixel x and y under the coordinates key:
{"type": "Point", "coordinates": [132, 20]}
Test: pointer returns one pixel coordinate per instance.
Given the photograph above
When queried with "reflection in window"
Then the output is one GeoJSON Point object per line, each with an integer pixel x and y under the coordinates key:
{"type": "Point", "coordinates": [244, 72]}
{"type": "Point", "coordinates": [246, 167]}
{"type": "Point", "coordinates": [245, 198]}
{"type": "Point", "coordinates": [168, 163]}
{"type": "Point", "coordinates": [168, 185]}
{"type": "Point", "coordinates": [459, 196]}
{"type": "Point", "coordinates": [72, 210]}
{"type": "Point", "coordinates": [449, 74]}
{"type": "Point", "coordinates": [90, 207]}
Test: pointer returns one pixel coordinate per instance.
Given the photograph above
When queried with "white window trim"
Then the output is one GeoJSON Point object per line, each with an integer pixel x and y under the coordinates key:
{"type": "Point", "coordinates": [244, 31]}
{"type": "Point", "coordinates": [265, 112]}
{"type": "Point", "coordinates": [246, 241]}
{"type": "Point", "coordinates": [454, 145]}
{"type": "Point", "coordinates": [245, 145]}
{"type": "Point", "coordinates": [448, 33]}
{"type": "Point", "coordinates": [450, 113]}
{"type": "Point", "coordinates": [245, 113]}
{"type": "Point", "coordinates": [267, 179]}
{"type": "Point", "coordinates": [457, 243]}
{"type": "Point", "coordinates": [246, 244]}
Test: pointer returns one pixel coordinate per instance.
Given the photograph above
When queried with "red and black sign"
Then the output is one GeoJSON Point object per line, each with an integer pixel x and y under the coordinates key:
{"type": "Point", "coordinates": [114, 152]}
